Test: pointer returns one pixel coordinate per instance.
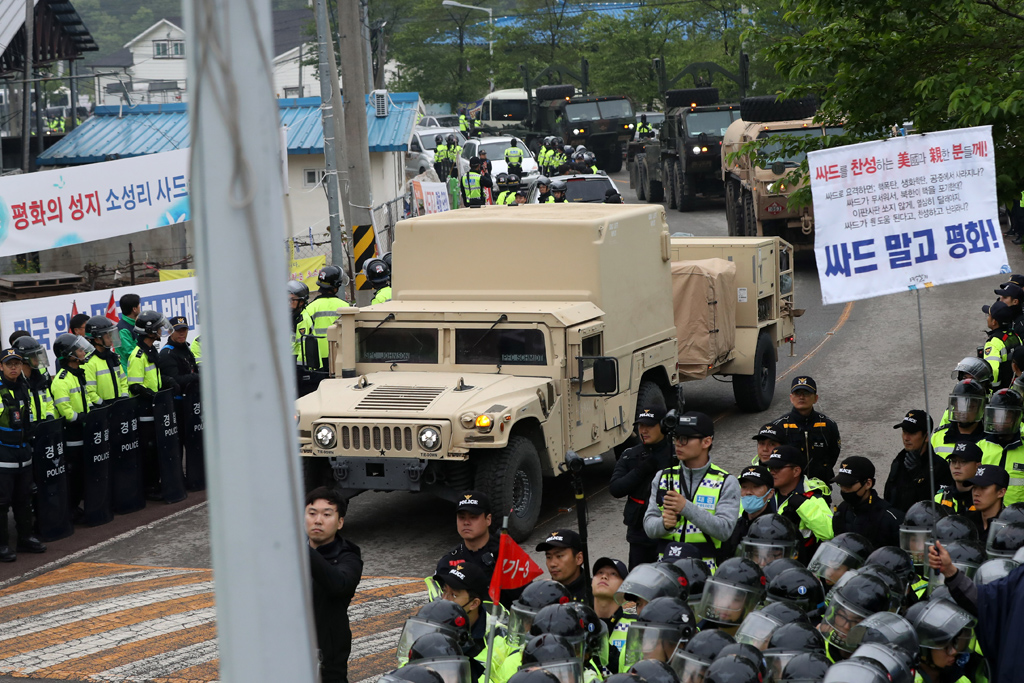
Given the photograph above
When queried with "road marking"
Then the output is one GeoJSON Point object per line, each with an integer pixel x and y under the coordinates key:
{"type": "Point", "coordinates": [107, 622]}
{"type": "Point", "coordinates": [828, 335]}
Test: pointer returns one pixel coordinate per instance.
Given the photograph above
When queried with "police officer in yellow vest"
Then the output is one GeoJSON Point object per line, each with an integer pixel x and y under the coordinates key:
{"type": "Point", "coordinates": [695, 501]}
{"type": "Point", "coordinates": [379, 276]}
{"type": "Point", "coordinates": [464, 126]}
{"type": "Point", "coordinates": [104, 378]}
{"type": "Point", "coordinates": [440, 157]}
{"type": "Point", "coordinates": [323, 310]}
{"type": "Point", "coordinates": [514, 157]}
{"type": "Point", "coordinates": [71, 402]}
{"type": "Point", "coordinates": [1000, 343]}
{"type": "Point", "coordinates": [963, 464]}
{"type": "Point", "coordinates": [801, 499]}
{"type": "Point", "coordinates": [1002, 443]}
{"type": "Point", "coordinates": [643, 129]}
{"type": "Point", "coordinates": [473, 183]}
{"type": "Point", "coordinates": [144, 381]}
{"type": "Point", "coordinates": [34, 369]}
{"type": "Point", "coordinates": [298, 299]}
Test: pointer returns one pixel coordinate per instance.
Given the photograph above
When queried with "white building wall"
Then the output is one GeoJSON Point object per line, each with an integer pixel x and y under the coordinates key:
{"type": "Point", "coordinates": [287, 75]}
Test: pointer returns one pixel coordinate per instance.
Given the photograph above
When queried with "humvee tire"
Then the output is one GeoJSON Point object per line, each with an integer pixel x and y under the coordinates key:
{"type": "Point", "coordinates": [652, 188]}
{"type": "Point", "coordinates": [555, 92]}
{"type": "Point", "coordinates": [686, 97]}
{"type": "Point", "coordinates": [512, 478]}
{"type": "Point", "coordinates": [754, 392]}
{"type": "Point", "coordinates": [668, 172]}
{"type": "Point", "coordinates": [638, 162]}
{"type": "Point", "coordinates": [765, 108]}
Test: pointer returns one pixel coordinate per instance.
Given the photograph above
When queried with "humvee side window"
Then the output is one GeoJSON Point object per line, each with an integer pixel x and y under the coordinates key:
{"type": "Point", "coordinates": [500, 347]}
{"type": "Point", "coordinates": [590, 346]}
{"type": "Point", "coordinates": [396, 345]}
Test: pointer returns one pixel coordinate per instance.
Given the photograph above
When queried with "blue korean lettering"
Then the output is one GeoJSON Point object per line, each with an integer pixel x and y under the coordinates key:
{"type": "Point", "coordinates": [926, 250]}
{"type": "Point", "coordinates": [898, 247]}
{"type": "Point", "coordinates": [981, 236]}
{"type": "Point", "coordinates": [179, 184]}
{"type": "Point", "coordinates": [955, 239]}
{"type": "Point", "coordinates": [128, 197]}
{"type": "Point", "coordinates": [41, 331]}
{"type": "Point", "coordinates": [61, 323]}
{"type": "Point", "coordinates": [859, 255]}
{"type": "Point", "coordinates": [112, 199]}
{"type": "Point", "coordinates": [837, 260]}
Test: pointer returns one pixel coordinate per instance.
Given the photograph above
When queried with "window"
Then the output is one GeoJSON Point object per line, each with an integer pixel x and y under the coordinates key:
{"type": "Point", "coordinates": [500, 347]}
{"type": "Point", "coordinates": [168, 49]}
{"type": "Point", "coordinates": [711, 123]}
{"type": "Point", "coordinates": [396, 345]}
{"type": "Point", "coordinates": [469, 151]}
{"type": "Point", "coordinates": [615, 109]}
{"type": "Point", "coordinates": [313, 177]}
{"type": "Point", "coordinates": [590, 346]}
{"type": "Point", "coordinates": [293, 92]}
{"type": "Point", "coordinates": [509, 110]}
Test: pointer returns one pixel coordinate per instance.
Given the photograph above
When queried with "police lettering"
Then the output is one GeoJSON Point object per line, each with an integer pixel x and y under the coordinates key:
{"type": "Point", "coordinates": [130, 446]}
{"type": "Point", "coordinates": [100, 457]}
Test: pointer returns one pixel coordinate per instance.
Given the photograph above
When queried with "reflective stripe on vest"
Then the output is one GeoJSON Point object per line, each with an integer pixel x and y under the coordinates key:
{"type": "Point", "coordinates": [514, 156]}
{"type": "Point", "coordinates": [706, 498]}
{"type": "Point", "coordinates": [471, 184]}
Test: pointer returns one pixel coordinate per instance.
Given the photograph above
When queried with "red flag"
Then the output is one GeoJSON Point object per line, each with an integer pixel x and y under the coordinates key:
{"type": "Point", "coordinates": [74, 308]}
{"type": "Point", "coordinates": [111, 310]}
{"type": "Point", "coordinates": [514, 568]}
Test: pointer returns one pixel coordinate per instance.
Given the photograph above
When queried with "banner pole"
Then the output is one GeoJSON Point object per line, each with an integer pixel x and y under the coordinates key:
{"type": "Point", "coordinates": [493, 616]}
{"type": "Point", "coordinates": [927, 450]}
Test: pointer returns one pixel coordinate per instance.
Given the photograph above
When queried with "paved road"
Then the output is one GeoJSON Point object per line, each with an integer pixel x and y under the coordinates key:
{"type": "Point", "coordinates": [140, 606]}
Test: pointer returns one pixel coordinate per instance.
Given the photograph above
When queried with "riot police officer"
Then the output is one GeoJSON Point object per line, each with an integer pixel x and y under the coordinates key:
{"type": "Point", "coordinates": [966, 407]}
{"type": "Point", "coordinates": [175, 360]}
{"type": "Point", "coordinates": [769, 538]}
{"type": "Point", "coordinates": [544, 191]}
{"type": "Point", "coordinates": [440, 157]}
{"type": "Point", "coordinates": [514, 157]}
{"type": "Point", "coordinates": [731, 594]}
{"type": "Point", "coordinates": [34, 370]}
{"type": "Point", "coordinates": [855, 599]}
{"type": "Point", "coordinates": [1002, 443]}
{"type": "Point", "coordinates": [863, 511]}
{"type": "Point", "coordinates": [944, 631]}
{"type": "Point", "coordinates": [811, 432]}
{"type": "Point", "coordinates": [71, 402]}
{"type": "Point", "coordinates": [298, 299]}
{"type": "Point", "coordinates": [104, 378]}
{"type": "Point", "coordinates": [558, 190]}
{"type": "Point", "coordinates": [323, 310]}
{"type": "Point", "coordinates": [144, 381]}
{"type": "Point", "coordinates": [472, 183]}
{"type": "Point", "coordinates": [664, 623]}
{"type": "Point", "coordinates": [15, 458]}
{"type": "Point", "coordinates": [378, 274]}
{"type": "Point", "coordinates": [835, 557]}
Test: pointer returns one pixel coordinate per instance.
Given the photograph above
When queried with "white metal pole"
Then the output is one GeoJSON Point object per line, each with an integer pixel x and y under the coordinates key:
{"type": "Point", "coordinates": [259, 548]}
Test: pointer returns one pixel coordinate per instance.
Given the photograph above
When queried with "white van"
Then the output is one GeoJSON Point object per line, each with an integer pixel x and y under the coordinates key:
{"type": "Point", "coordinates": [503, 108]}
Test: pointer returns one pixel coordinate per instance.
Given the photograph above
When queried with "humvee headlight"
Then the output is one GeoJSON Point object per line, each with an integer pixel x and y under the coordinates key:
{"type": "Point", "coordinates": [468, 420]}
{"type": "Point", "coordinates": [484, 423]}
{"type": "Point", "coordinates": [630, 126]}
{"type": "Point", "coordinates": [696, 150]}
{"type": "Point", "coordinates": [325, 436]}
{"type": "Point", "coordinates": [577, 131]}
{"type": "Point", "coordinates": [429, 438]}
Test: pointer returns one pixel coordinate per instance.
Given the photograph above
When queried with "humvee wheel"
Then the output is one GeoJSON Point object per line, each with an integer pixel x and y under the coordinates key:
{"type": "Point", "coordinates": [754, 392]}
{"type": "Point", "coordinates": [511, 477]}
{"type": "Point", "coordinates": [668, 173]}
{"type": "Point", "coordinates": [641, 195]}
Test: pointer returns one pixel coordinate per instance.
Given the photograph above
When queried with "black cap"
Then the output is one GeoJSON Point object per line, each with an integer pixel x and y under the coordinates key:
{"type": "Point", "coordinates": [758, 474]}
{"type": "Point", "coordinates": [10, 354]}
{"type": "Point", "coordinates": [651, 416]}
{"type": "Point", "coordinates": [694, 423]}
{"type": "Point", "coordinates": [178, 321]}
{"type": "Point", "coordinates": [1012, 290]}
{"type": "Point", "coordinates": [618, 565]}
{"type": "Point", "coordinates": [466, 576]}
{"type": "Point", "coordinates": [990, 474]}
{"type": "Point", "coordinates": [803, 383]}
{"type": "Point", "coordinates": [915, 421]}
{"type": "Point", "coordinates": [1017, 279]}
{"type": "Point", "coordinates": [474, 502]}
{"type": "Point", "coordinates": [769, 431]}
{"type": "Point", "coordinates": [786, 455]}
{"type": "Point", "coordinates": [561, 538]}
{"type": "Point", "coordinates": [677, 550]}
{"type": "Point", "coordinates": [999, 311]}
{"type": "Point", "coordinates": [966, 450]}
{"type": "Point", "coordinates": [474, 161]}
{"type": "Point", "coordinates": [854, 470]}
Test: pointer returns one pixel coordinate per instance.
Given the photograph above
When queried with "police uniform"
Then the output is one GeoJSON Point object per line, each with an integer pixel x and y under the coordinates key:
{"type": "Point", "coordinates": [15, 462]}
{"type": "Point", "coordinates": [1009, 456]}
{"type": "Point", "coordinates": [872, 517]}
{"type": "Point", "coordinates": [323, 311]}
{"type": "Point", "coordinates": [381, 295]}
{"type": "Point", "coordinates": [303, 328]}
{"type": "Point", "coordinates": [40, 399]}
{"type": "Point", "coordinates": [176, 362]}
{"type": "Point", "coordinates": [988, 475]}
{"type": "Point", "coordinates": [471, 186]}
{"type": "Point", "coordinates": [514, 159]}
{"type": "Point", "coordinates": [197, 350]}
{"type": "Point", "coordinates": [72, 401]}
{"type": "Point", "coordinates": [815, 435]}
{"type": "Point", "coordinates": [104, 378]}
{"type": "Point", "coordinates": [946, 437]}
{"type": "Point", "coordinates": [806, 505]}
{"type": "Point", "coordinates": [1000, 343]}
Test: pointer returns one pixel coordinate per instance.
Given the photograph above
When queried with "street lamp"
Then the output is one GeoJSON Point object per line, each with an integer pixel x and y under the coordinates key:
{"type": "Point", "coordinates": [490, 25]}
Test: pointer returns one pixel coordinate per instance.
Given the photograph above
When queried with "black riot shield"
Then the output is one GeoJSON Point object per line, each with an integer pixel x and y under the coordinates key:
{"type": "Point", "coordinates": [126, 489]}
{"type": "Point", "coordinates": [191, 414]}
{"type": "Point", "coordinates": [168, 447]}
{"type": "Point", "coordinates": [96, 466]}
{"type": "Point", "coordinates": [53, 519]}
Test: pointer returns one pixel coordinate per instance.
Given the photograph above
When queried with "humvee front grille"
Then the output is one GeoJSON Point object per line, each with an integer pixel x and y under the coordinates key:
{"type": "Point", "coordinates": [376, 438]}
{"type": "Point", "coordinates": [400, 398]}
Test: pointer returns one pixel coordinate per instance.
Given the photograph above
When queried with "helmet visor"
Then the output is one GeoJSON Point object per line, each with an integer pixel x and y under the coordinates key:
{"type": "Point", "coordinates": [451, 669]}
{"type": "Point", "coordinates": [966, 409]}
{"type": "Point", "coordinates": [993, 570]}
{"type": "Point", "coordinates": [689, 668]}
{"type": "Point", "coordinates": [80, 349]}
{"type": "Point", "coordinates": [830, 562]}
{"type": "Point", "coordinates": [647, 582]}
{"type": "Point", "coordinates": [777, 662]}
{"type": "Point", "coordinates": [841, 617]}
{"type": "Point", "coordinates": [650, 641]}
{"type": "Point", "coordinates": [764, 553]}
{"type": "Point", "coordinates": [1002, 420]}
{"type": "Point", "coordinates": [757, 630]}
{"type": "Point", "coordinates": [520, 620]}
{"type": "Point", "coordinates": [413, 629]}
{"type": "Point", "coordinates": [726, 604]}
{"type": "Point", "coordinates": [916, 543]}
{"type": "Point", "coordinates": [36, 357]}
{"type": "Point", "coordinates": [566, 672]}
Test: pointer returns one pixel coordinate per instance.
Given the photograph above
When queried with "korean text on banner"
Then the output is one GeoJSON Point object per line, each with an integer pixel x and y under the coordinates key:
{"type": "Point", "coordinates": [47, 318]}
{"type": "Point", "coordinates": [905, 213]}
{"type": "Point", "coordinates": [430, 197]}
{"type": "Point", "coordinates": [92, 202]}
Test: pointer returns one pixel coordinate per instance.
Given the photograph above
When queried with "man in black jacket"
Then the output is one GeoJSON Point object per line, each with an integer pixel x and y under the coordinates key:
{"type": "Point", "coordinates": [336, 567]}
{"type": "Point", "coordinates": [862, 511]}
{"type": "Point", "coordinates": [811, 432]}
{"type": "Point", "coordinates": [909, 480]}
{"type": "Point", "coordinates": [631, 479]}
{"type": "Point", "coordinates": [176, 361]}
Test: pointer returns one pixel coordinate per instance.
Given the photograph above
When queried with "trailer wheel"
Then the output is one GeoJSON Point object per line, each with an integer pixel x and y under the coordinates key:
{"type": "Point", "coordinates": [668, 174]}
{"type": "Point", "coordinates": [754, 392]}
{"type": "Point", "coordinates": [733, 208]}
{"type": "Point", "coordinates": [512, 478]}
{"type": "Point", "coordinates": [749, 215]}
{"type": "Point", "coordinates": [640, 160]}
{"type": "Point", "coordinates": [634, 182]}
{"type": "Point", "coordinates": [685, 188]}
{"type": "Point", "coordinates": [652, 188]}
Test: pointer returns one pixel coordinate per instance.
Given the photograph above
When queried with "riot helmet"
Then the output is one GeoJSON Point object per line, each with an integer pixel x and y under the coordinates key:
{"type": "Point", "coordinates": [1014, 512]}
{"type": "Point", "coordinates": [98, 329]}
{"type": "Point", "coordinates": [732, 592]}
{"type": "Point", "coordinates": [438, 139]}
{"type": "Point", "coordinates": [151, 324]}
{"type": "Point", "coordinates": [835, 557]}
{"type": "Point", "coordinates": [967, 400]}
{"type": "Point", "coordinates": [502, 180]}
{"type": "Point", "coordinates": [855, 599]}
{"type": "Point", "coordinates": [1003, 413]}
{"type": "Point", "coordinates": [377, 273]}
{"type": "Point", "coordinates": [791, 640]}
{"type": "Point", "coordinates": [451, 139]}
{"type": "Point", "coordinates": [885, 628]}
{"type": "Point", "coordinates": [1005, 541]}
{"type": "Point", "coordinates": [696, 573]}
{"type": "Point", "coordinates": [442, 655]}
{"type": "Point", "coordinates": [779, 566]}
{"type": "Point", "coordinates": [860, 670]}
{"type": "Point", "coordinates": [331, 279]}
{"type": "Point", "coordinates": [940, 624]}
{"type": "Point", "coordinates": [70, 346]}
{"type": "Point", "coordinates": [770, 537]}
{"type": "Point", "coordinates": [654, 671]}
{"type": "Point", "coordinates": [798, 587]}
{"type": "Point", "coordinates": [553, 654]}
{"type": "Point", "coordinates": [733, 668]}
{"type": "Point", "coordinates": [411, 674]}
{"type": "Point", "coordinates": [692, 662]}
{"type": "Point", "coordinates": [387, 259]}
{"type": "Point", "coordinates": [993, 570]}
{"type": "Point", "coordinates": [664, 624]}
{"type": "Point", "coordinates": [559, 186]}
{"type": "Point", "coordinates": [538, 675]}
{"type": "Point", "coordinates": [589, 159]}
{"type": "Point", "coordinates": [513, 181]}
{"type": "Point", "coordinates": [892, 581]}
{"type": "Point", "coordinates": [759, 626]}
{"type": "Point", "coordinates": [535, 596]}
{"type": "Point", "coordinates": [561, 620]}
{"type": "Point", "coordinates": [896, 559]}
{"type": "Point", "coordinates": [543, 181]}
{"type": "Point", "coordinates": [31, 350]}
{"type": "Point", "coordinates": [596, 640]}
{"type": "Point", "coordinates": [581, 148]}
{"type": "Point", "coordinates": [955, 528]}
{"type": "Point", "coordinates": [298, 290]}
{"type": "Point", "coordinates": [807, 667]}
{"type": "Point", "coordinates": [916, 529]}
{"type": "Point", "coordinates": [897, 664]}
{"type": "Point", "coordinates": [973, 368]}
{"type": "Point", "coordinates": [559, 142]}
{"type": "Point", "coordinates": [439, 616]}
{"type": "Point", "coordinates": [649, 581]}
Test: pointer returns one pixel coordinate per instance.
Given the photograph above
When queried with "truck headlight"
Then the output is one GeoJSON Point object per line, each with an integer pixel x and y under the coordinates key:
{"type": "Point", "coordinates": [429, 438]}
{"type": "Point", "coordinates": [484, 423]}
{"type": "Point", "coordinates": [696, 150]}
{"type": "Point", "coordinates": [577, 131]}
{"type": "Point", "coordinates": [325, 436]}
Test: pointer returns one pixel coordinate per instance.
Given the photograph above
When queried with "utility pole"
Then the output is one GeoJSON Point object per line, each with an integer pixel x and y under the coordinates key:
{"type": "Point", "coordinates": [70, 121]}
{"type": "Point", "coordinates": [237, 199]}
{"type": "Point", "coordinates": [360, 195]}
{"type": "Point", "coordinates": [364, 23]}
{"type": "Point", "coordinates": [26, 93]}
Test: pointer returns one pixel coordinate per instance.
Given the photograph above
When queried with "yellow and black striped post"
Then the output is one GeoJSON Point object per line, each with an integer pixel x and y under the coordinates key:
{"type": "Point", "coordinates": [365, 249]}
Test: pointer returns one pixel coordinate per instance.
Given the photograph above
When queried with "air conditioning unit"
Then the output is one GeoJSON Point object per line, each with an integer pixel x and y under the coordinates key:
{"type": "Point", "coordinates": [380, 103]}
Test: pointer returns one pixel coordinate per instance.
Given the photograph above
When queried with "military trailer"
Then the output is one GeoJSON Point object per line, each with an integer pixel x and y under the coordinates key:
{"type": "Point", "coordinates": [515, 336]}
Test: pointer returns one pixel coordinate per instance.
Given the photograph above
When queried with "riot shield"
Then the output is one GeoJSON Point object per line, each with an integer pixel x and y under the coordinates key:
{"type": "Point", "coordinates": [53, 519]}
{"type": "Point", "coordinates": [168, 447]}
{"type": "Point", "coordinates": [126, 488]}
{"type": "Point", "coordinates": [192, 440]}
{"type": "Point", "coordinates": [96, 466]}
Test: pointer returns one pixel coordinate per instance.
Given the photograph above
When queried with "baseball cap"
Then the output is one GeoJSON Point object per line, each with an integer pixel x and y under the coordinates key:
{"type": "Point", "coordinates": [915, 421]}
{"type": "Point", "coordinates": [475, 503]}
{"type": "Point", "coordinates": [966, 450]}
{"type": "Point", "coordinates": [694, 423]}
{"type": "Point", "coordinates": [467, 577]}
{"type": "Point", "coordinates": [803, 383]}
{"type": "Point", "coordinates": [651, 416]}
{"type": "Point", "coordinates": [561, 538]}
{"type": "Point", "coordinates": [618, 565]}
{"type": "Point", "coordinates": [854, 470]}
{"type": "Point", "coordinates": [999, 311]}
{"type": "Point", "coordinates": [1010, 289]}
{"type": "Point", "coordinates": [677, 550]}
{"type": "Point", "coordinates": [178, 321]}
{"type": "Point", "coordinates": [10, 354]}
{"type": "Point", "coordinates": [768, 432]}
{"type": "Point", "coordinates": [990, 474]}
{"type": "Point", "coordinates": [786, 455]}
{"type": "Point", "coordinates": [1017, 279]}
{"type": "Point", "coordinates": [758, 474]}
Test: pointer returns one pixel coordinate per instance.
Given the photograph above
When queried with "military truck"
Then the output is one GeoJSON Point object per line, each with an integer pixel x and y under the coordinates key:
{"type": "Point", "coordinates": [496, 356]}
{"type": "Point", "coordinates": [757, 198]}
{"type": "Point", "coordinates": [685, 161]}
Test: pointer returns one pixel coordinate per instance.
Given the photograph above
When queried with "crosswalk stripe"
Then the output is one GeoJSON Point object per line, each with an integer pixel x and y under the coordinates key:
{"type": "Point", "coordinates": [372, 609]}
{"type": "Point", "coordinates": [380, 623]}
{"type": "Point", "coordinates": [7, 600]}
{"type": "Point", "coordinates": [72, 572]}
{"type": "Point", "coordinates": [366, 668]}
{"type": "Point", "coordinates": [190, 655]}
{"type": "Point", "coordinates": [207, 671]}
{"type": "Point", "coordinates": [388, 592]}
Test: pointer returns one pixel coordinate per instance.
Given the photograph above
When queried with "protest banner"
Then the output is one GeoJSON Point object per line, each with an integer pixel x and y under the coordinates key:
{"type": "Point", "coordinates": [905, 213]}
{"type": "Point", "coordinates": [302, 269]}
{"type": "Point", "coordinates": [79, 204]}
{"type": "Point", "coordinates": [429, 197]}
{"type": "Point", "coordinates": [47, 318]}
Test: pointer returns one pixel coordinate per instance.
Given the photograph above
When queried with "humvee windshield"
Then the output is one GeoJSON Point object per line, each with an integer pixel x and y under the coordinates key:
{"type": "Point", "coordinates": [500, 347]}
{"type": "Point", "coordinates": [396, 345]}
{"type": "Point", "coordinates": [709, 122]}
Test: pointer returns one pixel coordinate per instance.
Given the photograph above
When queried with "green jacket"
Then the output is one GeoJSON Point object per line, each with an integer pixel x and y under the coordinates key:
{"type": "Point", "coordinates": [127, 345]}
{"type": "Point", "coordinates": [70, 398]}
{"type": "Point", "coordinates": [383, 294]}
{"type": "Point", "coordinates": [142, 370]}
{"type": "Point", "coordinates": [323, 311]}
